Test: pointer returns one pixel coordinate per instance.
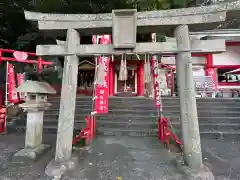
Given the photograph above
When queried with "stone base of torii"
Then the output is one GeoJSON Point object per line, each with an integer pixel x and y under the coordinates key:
{"type": "Point", "coordinates": [136, 21]}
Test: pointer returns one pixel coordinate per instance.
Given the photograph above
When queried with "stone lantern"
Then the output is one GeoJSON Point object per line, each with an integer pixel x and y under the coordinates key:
{"type": "Point", "coordinates": [35, 105]}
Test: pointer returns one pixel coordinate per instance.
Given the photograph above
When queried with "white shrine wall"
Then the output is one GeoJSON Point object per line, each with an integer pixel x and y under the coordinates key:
{"type": "Point", "coordinates": [196, 60]}
{"type": "Point", "coordinates": [198, 64]}
{"type": "Point", "coordinates": [230, 57]}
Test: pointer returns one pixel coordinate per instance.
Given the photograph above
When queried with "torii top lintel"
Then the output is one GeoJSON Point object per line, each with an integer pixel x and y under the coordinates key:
{"type": "Point", "coordinates": [152, 19]}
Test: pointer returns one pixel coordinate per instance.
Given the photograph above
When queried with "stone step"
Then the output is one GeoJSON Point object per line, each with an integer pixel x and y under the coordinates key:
{"type": "Point", "coordinates": [147, 109]}
{"type": "Point", "coordinates": [113, 112]}
{"type": "Point", "coordinates": [230, 135]}
{"type": "Point", "coordinates": [110, 106]}
{"type": "Point", "coordinates": [207, 113]}
{"type": "Point", "coordinates": [135, 132]}
{"type": "Point", "coordinates": [153, 117]}
{"type": "Point", "coordinates": [153, 108]}
{"type": "Point", "coordinates": [133, 104]}
{"type": "Point", "coordinates": [175, 125]}
{"type": "Point", "coordinates": [146, 119]}
{"type": "Point", "coordinates": [150, 102]}
{"type": "Point", "coordinates": [226, 135]}
{"type": "Point", "coordinates": [204, 126]}
{"type": "Point", "coordinates": [147, 125]}
{"type": "Point", "coordinates": [203, 108]}
{"type": "Point", "coordinates": [138, 117]}
{"type": "Point", "coordinates": [138, 97]}
{"type": "Point", "coordinates": [150, 118]}
{"type": "Point", "coordinates": [142, 113]}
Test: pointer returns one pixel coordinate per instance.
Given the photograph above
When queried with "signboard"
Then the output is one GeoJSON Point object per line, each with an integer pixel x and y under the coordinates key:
{"type": "Point", "coordinates": [155, 81]}
{"type": "Point", "coordinates": [204, 83]}
{"type": "Point", "coordinates": [12, 92]}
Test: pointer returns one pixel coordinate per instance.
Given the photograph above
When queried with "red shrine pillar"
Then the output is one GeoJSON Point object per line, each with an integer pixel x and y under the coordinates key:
{"type": "Point", "coordinates": [111, 79]}
{"type": "Point", "coordinates": [209, 64]}
{"type": "Point", "coordinates": [210, 70]}
{"type": "Point", "coordinates": [140, 86]}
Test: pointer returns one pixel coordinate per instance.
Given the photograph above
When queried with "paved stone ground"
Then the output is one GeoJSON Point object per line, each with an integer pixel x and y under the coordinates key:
{"type": "Point", "coordinates": [127, 158]}
{"type": "Point", "coordinates": [223, 158]}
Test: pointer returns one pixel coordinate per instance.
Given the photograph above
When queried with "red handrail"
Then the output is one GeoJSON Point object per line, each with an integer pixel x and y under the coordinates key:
{"type": "Point", "coordinates": [88, 133]}
{"type": "Point", "coordinates": [164, 132]}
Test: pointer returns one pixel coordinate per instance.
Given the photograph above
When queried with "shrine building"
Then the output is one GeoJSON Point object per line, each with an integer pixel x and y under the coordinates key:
{"type": "Point", "coordinates": [221, 65]}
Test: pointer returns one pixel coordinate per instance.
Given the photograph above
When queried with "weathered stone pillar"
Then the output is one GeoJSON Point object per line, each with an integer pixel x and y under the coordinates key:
{"type": "Point", "coordinates": [67, 110]}
{"type": "Point", "coordinates": [34, 129]}
{"type": "Point", "coordinates": [34, 148]}
{"type": "Point", "coordinates": [186, 90]}
{"type": "Point", "coordinates": [35, 104]}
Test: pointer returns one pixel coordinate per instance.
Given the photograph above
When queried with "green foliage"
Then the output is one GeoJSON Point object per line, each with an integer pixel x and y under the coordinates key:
{"type": "Point", "coordinates": [180, 3]}
{"type": "Point", "coordinates": [17, 33]}
{"type": "Point", "coordinates": [12, 24]}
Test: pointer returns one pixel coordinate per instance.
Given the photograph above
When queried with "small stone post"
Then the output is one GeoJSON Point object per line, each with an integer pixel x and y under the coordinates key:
{"type": "Point", "coordinates": [186, 89]}
{"type": "Point", "coordinates": [67, 110]}
{"type": "Point", "coordinates": [34, 128]}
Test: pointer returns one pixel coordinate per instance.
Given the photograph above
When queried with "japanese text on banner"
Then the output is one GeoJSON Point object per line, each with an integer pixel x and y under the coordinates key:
{"type": "Point", "coordinates": [101, 103]}
{"type": "Point", "coordinates": [155, 81]}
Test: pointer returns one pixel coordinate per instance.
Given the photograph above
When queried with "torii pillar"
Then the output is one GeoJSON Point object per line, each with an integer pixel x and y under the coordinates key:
{"type": "Point", "coordinates": [188, 107]}
{"type": "Point", "coordinates": [63, 159]}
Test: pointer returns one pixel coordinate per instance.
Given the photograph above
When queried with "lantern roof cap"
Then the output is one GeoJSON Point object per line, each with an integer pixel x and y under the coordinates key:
{"type": "Point", "coordinates": [36, 87]}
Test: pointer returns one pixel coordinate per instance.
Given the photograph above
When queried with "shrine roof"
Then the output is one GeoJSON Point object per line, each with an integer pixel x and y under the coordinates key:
{"type": "Point", "coordinates": [36, 87]}
{"type": "Point", "coordinates": [150, 21]}
{"type": "Point", "coordinates": [86, 65]}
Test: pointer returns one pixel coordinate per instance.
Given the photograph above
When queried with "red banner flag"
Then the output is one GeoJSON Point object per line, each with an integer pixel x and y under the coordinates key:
{"type": "Point", "coordinates": [101, 92]}
{"type": "Point", "coordinates": [155, 81]}
{"type": "Point", "coordinates": [12, 92]}
{"type": "Point", "coordinates": [40, 64]}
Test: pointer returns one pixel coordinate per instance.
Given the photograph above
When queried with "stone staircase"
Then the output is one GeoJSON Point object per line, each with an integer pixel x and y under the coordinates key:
{"type": "Point", "coordinates": [218, 117]}
{"type": "Point", "coordinates": [137, 116]}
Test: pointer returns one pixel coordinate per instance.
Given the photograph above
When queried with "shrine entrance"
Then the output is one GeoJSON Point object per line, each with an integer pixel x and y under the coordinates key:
{"type": "Point", "coordinates": [130, 85]}
{"type": "Point", "coordinates": [86, 71]}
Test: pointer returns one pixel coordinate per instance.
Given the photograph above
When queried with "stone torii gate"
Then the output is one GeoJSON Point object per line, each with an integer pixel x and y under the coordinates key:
{"type": "Point", "coordinates": [123, 24]}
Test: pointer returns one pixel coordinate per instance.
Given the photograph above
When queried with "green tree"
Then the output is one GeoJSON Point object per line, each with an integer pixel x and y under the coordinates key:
{"type": "Point", "coordinates": [12, 24]}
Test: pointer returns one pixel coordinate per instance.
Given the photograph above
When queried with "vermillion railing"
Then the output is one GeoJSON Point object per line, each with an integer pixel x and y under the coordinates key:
{"type": "Point", "coordinates": [166, 132]}
{"type": "Point", "coordinates": [9, 55]}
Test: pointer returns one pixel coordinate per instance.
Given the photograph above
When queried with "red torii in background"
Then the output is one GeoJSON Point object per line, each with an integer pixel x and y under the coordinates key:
{"type": "Point", "coordinates": [21, 57]}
